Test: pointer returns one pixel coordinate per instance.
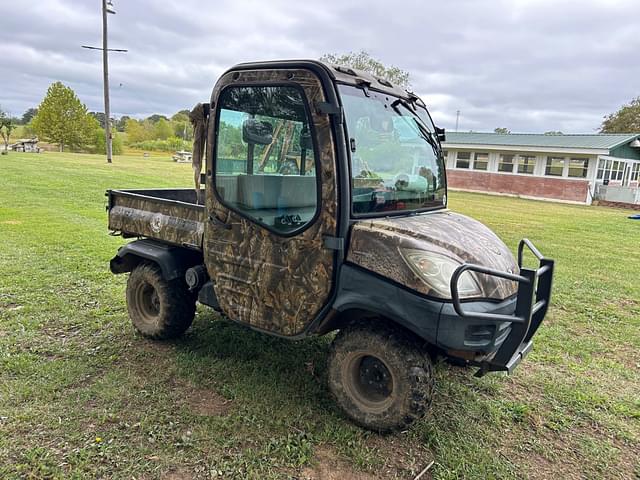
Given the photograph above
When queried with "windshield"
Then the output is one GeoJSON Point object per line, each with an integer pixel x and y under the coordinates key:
{"type": "Point", "coordinates": [396, 163]}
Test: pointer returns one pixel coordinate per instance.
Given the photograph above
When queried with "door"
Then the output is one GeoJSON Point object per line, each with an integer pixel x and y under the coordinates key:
{"type": "Point", "coordinates": [274, 199]}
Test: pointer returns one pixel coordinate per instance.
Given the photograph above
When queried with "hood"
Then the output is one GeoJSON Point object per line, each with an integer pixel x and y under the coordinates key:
{"type": "Point", "coordinates": [375, 245]}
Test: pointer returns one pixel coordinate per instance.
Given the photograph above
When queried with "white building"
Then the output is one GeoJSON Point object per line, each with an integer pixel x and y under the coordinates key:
{"type": "Point", "coordinates": [568, 168]}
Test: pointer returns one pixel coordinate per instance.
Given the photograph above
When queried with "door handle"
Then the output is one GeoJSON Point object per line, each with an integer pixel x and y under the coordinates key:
{"type": "Point", "coordinates": [215, 220]}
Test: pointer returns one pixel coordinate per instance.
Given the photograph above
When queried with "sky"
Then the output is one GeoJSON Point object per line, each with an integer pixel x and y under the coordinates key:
{"type": "Point", "coordinates": [527, 65]}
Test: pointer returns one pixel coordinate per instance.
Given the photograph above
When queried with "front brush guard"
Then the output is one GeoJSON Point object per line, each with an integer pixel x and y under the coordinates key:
{"type": "Point", "coordinates": [532, 303]}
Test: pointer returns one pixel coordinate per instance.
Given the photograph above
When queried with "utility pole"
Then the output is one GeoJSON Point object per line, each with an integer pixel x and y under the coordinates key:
{"type": "Point", "coordinates": [107, 7]}
{"type": "Point", "coordinates": [457, 119]}
{"type": "Point", "coordinates": [105, 74]}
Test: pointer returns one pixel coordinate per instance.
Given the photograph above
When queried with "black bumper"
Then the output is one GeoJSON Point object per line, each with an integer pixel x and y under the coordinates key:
{"type": "Point", "coordinates": [514, 325]}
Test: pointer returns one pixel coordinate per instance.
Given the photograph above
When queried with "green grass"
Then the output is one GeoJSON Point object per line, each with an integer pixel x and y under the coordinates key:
{"type": "Point", "coordinates": [83, 396]}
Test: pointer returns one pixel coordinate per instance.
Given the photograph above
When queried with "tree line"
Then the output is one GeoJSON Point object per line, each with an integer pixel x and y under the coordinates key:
{"type": "Point", "coordinates": [61, 117]}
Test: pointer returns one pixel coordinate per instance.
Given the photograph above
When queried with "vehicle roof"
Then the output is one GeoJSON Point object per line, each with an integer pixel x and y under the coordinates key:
{"type": "Point", "coordinates": [338, 73]}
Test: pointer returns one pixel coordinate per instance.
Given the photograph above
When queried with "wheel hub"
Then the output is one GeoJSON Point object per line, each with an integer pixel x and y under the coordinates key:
{"type": "Point", "coordinates": [374, 378]}
{"type": "Point", "coordinates": [149, 301]}
{"type": "Point", "coordinates": [369, 382]}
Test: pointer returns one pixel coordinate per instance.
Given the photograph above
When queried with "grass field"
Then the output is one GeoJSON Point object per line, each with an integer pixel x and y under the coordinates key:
{"type": "Point", "coordinates": [83, 396]}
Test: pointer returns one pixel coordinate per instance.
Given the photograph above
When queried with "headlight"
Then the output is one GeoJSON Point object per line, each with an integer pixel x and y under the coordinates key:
{"type": "Point", "coordinates": [435, 271]}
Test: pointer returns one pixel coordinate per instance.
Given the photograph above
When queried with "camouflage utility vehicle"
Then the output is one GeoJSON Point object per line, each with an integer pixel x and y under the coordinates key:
{"type": "Point", "coordinates": [323, 207]}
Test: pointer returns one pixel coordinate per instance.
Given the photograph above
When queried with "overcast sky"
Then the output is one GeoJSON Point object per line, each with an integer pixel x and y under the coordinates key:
{"type": "Point", "coordinates": [529, 65]}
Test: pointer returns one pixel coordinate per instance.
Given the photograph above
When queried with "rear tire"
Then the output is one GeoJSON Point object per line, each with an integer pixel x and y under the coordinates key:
{"type": "Point", "coordinates": [158, 308]}
{"type": "Point", "coordinates": [380, 375]}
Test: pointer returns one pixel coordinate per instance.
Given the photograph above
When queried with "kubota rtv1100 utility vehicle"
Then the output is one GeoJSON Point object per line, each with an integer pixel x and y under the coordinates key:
{"type": "Point", "coordinates": [324, 208]}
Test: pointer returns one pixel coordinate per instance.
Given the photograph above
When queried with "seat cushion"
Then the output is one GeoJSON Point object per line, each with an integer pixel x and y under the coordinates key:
{"type": "Point", "coordinates": [276, 191]}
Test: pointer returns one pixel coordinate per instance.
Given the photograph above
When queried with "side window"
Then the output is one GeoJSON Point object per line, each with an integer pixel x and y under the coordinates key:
{"type": "Point", "coordinates": [265, 164]}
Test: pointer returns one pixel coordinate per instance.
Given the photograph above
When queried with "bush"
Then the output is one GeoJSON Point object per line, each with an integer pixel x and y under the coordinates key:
{"type": "Point", "coordinates": [99, 143]}
{"type": "Point", "coordinates": [171, 144]}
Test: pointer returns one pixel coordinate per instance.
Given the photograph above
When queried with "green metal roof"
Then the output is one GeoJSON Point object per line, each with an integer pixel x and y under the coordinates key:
{"type": "Point", "coordinates": [605, 141]}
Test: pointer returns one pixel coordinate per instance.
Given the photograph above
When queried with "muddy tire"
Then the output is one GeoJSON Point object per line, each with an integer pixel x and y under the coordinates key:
{"type": "Point", "coordinates": [380, 376]}
{"type": "Point", "coordinates": [158, 308]}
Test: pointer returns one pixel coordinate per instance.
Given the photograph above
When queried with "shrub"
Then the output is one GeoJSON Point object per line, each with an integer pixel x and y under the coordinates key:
{"type": "Point", "coordinates": [171, 144]}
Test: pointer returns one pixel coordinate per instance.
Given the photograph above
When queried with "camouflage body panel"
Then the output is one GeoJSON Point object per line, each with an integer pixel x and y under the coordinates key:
{"type": "Point", "coordinates": [274, 283]}
{"type": "Point", "coordinates": [158, 214]}
{"type": "Point", "coordinates": [375, 246]}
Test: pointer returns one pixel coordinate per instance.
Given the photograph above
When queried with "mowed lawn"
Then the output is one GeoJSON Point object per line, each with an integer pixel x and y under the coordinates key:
{"type": "Point", "coordinates": [83, 396]}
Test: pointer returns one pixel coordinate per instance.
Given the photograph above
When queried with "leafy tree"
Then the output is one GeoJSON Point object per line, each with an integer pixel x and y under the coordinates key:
{"type": "Point", "coordinates": [162, 129]}
{"type": "Point", "coordinates": [363, 61]}
{"type": "Point", "coordinates": [183, 129]}
{"type": "Point", "coordinates": [135, 131]}
{"type": "Point", "coordinates": [502, 130]}
{"type": "Point", "coordinates": [625, 120]}
{"type": "Point", "coordinates": [156, 117]}
{"type": "Point", "coordinates": [63, 119]}
{"type": "Point", "coordinates": [121, 123]}
{"type": "Point", "coordinates": [99, 143]}
{"type": "Point", "coordinates": [99, 116]}
{"type": "Point", "coordinates": [554, 132]}
{"type": "Point", "coordinates": [181, 116]}
{"type": "Point", "coordinates": [6, 127]}
{"type": "Point", "coordinates": [28, 115]}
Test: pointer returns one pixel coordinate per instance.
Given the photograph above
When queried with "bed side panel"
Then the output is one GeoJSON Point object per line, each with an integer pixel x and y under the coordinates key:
{"type": "Point", "coordinates": [166, 220]}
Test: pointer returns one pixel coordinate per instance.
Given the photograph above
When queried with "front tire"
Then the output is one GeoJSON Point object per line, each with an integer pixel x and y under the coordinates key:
{"type": "Point", "coordinates": [380, 376]}
{"type": "Point", "coordinates": [159, 309]}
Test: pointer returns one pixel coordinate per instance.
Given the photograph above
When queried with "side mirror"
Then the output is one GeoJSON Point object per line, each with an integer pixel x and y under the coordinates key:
{"type": "Point", "coordinates": [441, 134]}
{"type": "Point", "coordinates": [257, 132]}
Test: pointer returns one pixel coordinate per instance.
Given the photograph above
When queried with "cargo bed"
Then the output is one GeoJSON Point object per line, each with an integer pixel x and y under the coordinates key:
{"type": "Point", "coordinates": [170, 215]}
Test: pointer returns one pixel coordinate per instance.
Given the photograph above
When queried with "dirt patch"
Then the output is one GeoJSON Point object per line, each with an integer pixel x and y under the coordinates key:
{"type": "Point", "coordinates": [177, 474]}
{"type": "Point", "coordinates": [330, 466]}
{"type": "Point", "coordinates": [207, 402]}
{"type": "Point", "coordinates": [403, 457]}
{"type": "Point", "coordinates": [11, 222]}
{"type": "Point", "coordinates": [201, 401]}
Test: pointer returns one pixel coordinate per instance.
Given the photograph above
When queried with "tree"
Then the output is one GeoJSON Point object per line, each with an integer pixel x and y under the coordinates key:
{"type": "Point", "coordinates": [135, 131]}
{"type": "Point", "coordinates": [28, 115]}
{"type": "Point", "coordinates": [99, 116]}
{"type": "Point", "coordinates": [100, 144]}
{"type": "Point", "coordinates": [502, 130]}
{"type": "Point", "coordinates": [6, 127]}
{"type": "Point", "coordinates": [181, 116]}
{"type": "Point", "coordinates": [182, 129]}
{"type": "Point", "coordinates": [363, 61]}
{"type": "Point", "coordinates": [63, 119]}
{"type": "Point", "coordinates": [554, 132]}
{"type": "Point", "coordinates": [625, 120]}
{"type": "Point", "coordinates": [156, 117]}
{"type": "Point", "coordinates": [162, 130]}
{"type": "Point", "coordinates": [121, 123]}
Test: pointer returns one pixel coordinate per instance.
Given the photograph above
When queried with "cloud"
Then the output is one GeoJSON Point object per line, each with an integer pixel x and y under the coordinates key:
{"type": "Point", "coordinates": [529, 65]}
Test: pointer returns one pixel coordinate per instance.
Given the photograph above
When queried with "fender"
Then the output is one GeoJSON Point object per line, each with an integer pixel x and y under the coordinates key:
{"type": "Point", "coordinates": [172, 260]}
{"type": "Point", "coordinates": [363, 291]}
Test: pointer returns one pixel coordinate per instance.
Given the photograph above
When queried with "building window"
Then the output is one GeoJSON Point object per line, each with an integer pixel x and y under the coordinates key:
{"type": "Point", "coordinates": [526, 164]}
{"type": "Point", "coordinates": [600, 173]}
{"type": "Point", "coordinates": [506, 163]}
{"type": "Point", "coordinates": [578, 167]}
{"type": "Point", "coordinates": [635, 172]}
{"type": "Point", "coordinates": [617, 170]}
{"type": "Point", "coordinates": [463, 159]}
{"type": "Point", "coordinates": [480, 161]}
{"type": "Point", "coordinates": [555, 166]}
